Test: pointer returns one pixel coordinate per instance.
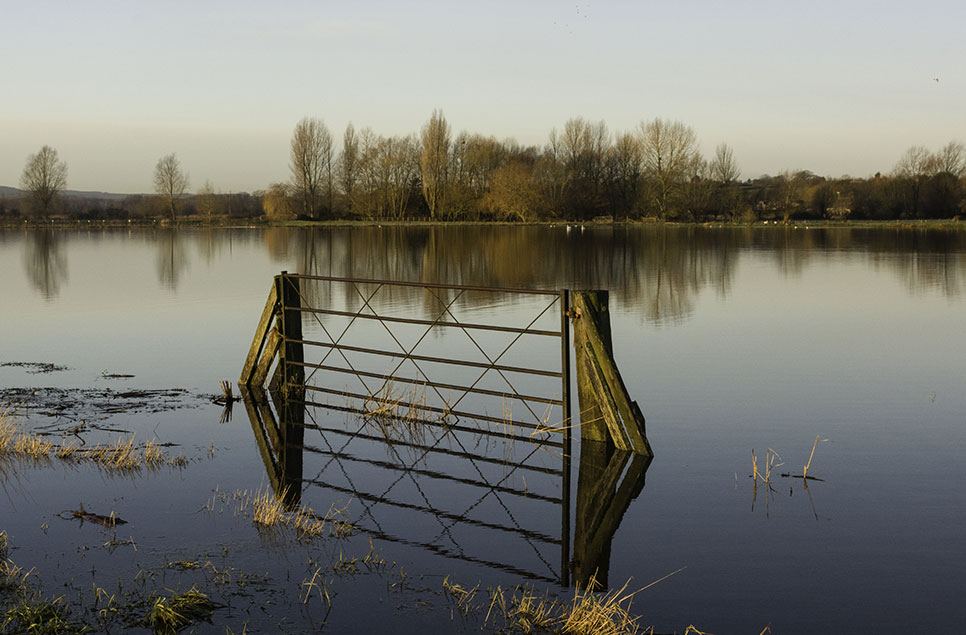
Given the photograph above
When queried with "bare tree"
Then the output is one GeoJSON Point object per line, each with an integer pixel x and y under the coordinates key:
{"type": "Point", "coordinates": [311, 164]}
{"type": "Point", "coordinates": [207, 200]}
{"type": "Point", "coordinates": [349, 165]}
{"type": "Point", "coordinates": [913, 170]}
{"type": "Point", "coordinates": [668, 149]}
{"type": "Point", "coordinates": [434, 163]}
{"type": "Point", "coordinates": [44, 177]}
{"type": "Point", "coordinates": [952, 159]}
{"type": "Point", "coordinates": [623, 173]}
{"type": "Point", "coordinates": [724, 168]}
{"type": "Point", "coordinates": [170, 181]}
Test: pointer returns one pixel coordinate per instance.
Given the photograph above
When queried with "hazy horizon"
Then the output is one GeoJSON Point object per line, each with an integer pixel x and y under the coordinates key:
{"type": "Point", "coordinates": [829, 88]}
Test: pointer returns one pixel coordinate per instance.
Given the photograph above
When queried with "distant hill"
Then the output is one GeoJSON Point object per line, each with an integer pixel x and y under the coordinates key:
{"type": "Point", "coordinates": [104, 196]}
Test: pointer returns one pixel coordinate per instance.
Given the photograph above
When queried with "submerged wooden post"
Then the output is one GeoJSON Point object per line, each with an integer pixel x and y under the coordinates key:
{"type": "Point", "coordinates": [607, 412]}
{"type": "Point", "coordinates": [289, 325]}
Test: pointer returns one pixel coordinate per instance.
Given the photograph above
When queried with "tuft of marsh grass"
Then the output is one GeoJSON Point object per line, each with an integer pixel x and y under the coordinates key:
{"type": "Point", "coordinates": [171, 614]}
{"type": "Point", "coordinates": [606, 614]}
{"type": "Point", "coordinates": [153, 454]}
{"type": "Point", "coordinates": [120, 455]}
{"type": "Point", "coordinates": [36, 615]}
{"type": "Point", "coordinates": [268, 510]}
{"type": "Point", "coordinates": [12, 577]}
{"type": "Point", "coordinates": [461, 595]}
{"type": "Point", "coordinates": [320, 585]}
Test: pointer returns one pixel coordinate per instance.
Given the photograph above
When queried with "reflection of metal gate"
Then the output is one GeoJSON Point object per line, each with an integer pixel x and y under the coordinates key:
{"type": "Point", "coordinates": [465, 411]}
{"type": "Point", "coordinates": [445, 492]}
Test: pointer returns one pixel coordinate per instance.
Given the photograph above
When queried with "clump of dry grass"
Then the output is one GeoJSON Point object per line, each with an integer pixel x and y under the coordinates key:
{"type": "Point", "coordinates": [67, 450]}
{"type": "Point", "coordinates": [170, 615]}
{"type": "Point", "coordinates": [589, 613]}
{"type": "Point", "coordinates": [269, 510]}
{"type": "Point", "coordinates": [607, 613]}
{"type": "Point", "coordinates": [121, 455]}
{"type": "Point", "coordinates": [154, 455]}
{"type": "Point", "coordinates": [402, 415]}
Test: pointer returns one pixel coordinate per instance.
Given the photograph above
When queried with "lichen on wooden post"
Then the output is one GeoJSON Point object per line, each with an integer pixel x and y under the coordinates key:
{"type": "Point", "coordinates": [607, 412]}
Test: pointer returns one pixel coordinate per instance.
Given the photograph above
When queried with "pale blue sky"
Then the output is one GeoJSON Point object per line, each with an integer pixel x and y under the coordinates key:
{"type": "Point", "coordinates": [834, 87]}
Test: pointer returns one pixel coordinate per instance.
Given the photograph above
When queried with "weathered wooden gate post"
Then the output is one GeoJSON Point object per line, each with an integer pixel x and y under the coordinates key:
{"type": "Point", "coordinates": [607, 412]}
{"type": "Point", "coordinates": [289, 323]}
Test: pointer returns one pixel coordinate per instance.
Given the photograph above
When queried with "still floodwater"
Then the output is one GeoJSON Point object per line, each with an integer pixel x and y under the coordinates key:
{"type": "Point", "coordinates": [730, 339]}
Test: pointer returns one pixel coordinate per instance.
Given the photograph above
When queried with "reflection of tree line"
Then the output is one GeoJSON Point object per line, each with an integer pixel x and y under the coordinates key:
{"type": "Point", "coordinates": [659, 268]}
{"type": "Point", "coordinates": [662, 266]}
{"type": "Point", "coordinates": [46, 262]}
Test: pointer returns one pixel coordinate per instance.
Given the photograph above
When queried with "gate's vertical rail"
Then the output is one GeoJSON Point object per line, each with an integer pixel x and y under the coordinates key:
{"type": "Point", "coordinates": [566, 423]}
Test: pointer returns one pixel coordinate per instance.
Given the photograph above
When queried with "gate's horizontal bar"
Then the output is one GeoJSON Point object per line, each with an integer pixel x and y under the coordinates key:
{"type": "Point", "coordinates": [503, 436]}
{"type": "Point", "coordinates": [431, 384]}
{"type": "Point", "coordinates": [456, 518]}
{"type": "Point", "coordinates": [458, 453]}
{"type": "Point", "coordinates": [443, 411]}
{"type": "Point", "coordinates": [424, 285]}
{"type": "Point", "coordinates": [428, 358]}
{"type": "Point", "coordinates": [387, 465]}
{"type": "Point", "coordinates": [400, 320]}
{"type": "Point", "coordinates": [440, 550]}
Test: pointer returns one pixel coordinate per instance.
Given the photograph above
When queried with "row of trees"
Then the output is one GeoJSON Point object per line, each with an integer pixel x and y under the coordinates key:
{"type": "Point", "coordinates": [582, 172]}
{"type": "Point", "coordinates": [44, 178]}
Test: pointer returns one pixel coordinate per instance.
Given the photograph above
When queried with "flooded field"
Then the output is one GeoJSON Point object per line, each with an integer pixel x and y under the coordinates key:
{"type": "Point", "coordinates": [839, 348]}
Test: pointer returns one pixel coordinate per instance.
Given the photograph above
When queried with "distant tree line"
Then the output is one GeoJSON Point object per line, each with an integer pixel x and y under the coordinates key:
{"type": "Point", "coordinates": [583, 172]}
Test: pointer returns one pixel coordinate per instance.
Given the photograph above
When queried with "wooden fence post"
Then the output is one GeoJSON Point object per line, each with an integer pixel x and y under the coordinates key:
{"type": "Point", "coordinates": [291, 353]}
{"type": "Point", "coordinates": [592, 424]}
{"type": "Point", "coordinates": [607, 412]}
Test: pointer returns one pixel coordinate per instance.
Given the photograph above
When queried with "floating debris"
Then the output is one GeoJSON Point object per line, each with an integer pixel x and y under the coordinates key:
{"type": "Point", "coordinates": [98, 519]}
{"type": "Point", "coordinates": [36, 368]}
{"type": "Point", "coordinates": [107, 375]}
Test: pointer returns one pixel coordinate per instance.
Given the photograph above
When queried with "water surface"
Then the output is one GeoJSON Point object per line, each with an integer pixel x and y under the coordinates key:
{"type": "Point", "coordinates": [730, 339]}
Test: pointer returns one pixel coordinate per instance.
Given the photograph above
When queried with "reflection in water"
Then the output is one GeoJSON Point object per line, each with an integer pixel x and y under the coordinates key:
{"type": "Point", "coordinates": [279, 442]}
{"type": "Point", "coordinates": [172, 257]}
{"type": "Point", "coordinates": [457, 501]}
{"type": "Point", "coordinates": [658, 269]}
{"type": "Point", "coordinates": [45, 262]}
{"type": "Point", "coordinates": [603, 497]}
